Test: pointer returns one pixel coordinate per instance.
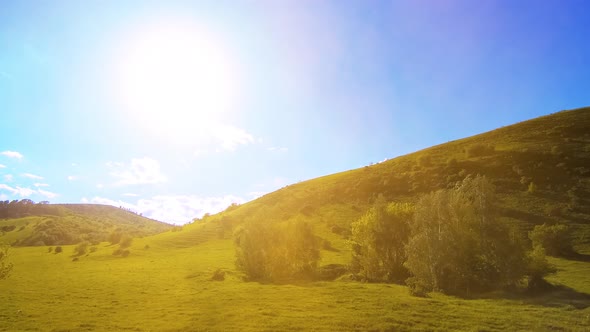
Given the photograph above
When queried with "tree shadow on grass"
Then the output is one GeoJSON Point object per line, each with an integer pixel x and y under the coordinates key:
{"type": "Point", "coordinates": [545, 294]}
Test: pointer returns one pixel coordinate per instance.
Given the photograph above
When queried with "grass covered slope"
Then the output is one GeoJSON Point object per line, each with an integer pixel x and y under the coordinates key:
{"type": "Point", "coordinates": [540, 167]}
{"type": "Point", "coordinates": [29, 224]}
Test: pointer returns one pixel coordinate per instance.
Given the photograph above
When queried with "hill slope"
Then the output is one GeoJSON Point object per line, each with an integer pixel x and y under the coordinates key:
{"type": "Point", "coordinates": [541, 169]}
{"type": "Point", "coordinates": [25, 223]}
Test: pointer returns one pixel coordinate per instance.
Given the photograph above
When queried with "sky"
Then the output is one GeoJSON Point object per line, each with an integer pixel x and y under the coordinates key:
{"type": "Point", "coordinates": [178, 108]}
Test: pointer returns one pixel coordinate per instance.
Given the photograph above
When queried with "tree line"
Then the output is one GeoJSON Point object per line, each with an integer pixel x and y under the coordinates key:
{"type": "Point", "coordinates": [450, 240]}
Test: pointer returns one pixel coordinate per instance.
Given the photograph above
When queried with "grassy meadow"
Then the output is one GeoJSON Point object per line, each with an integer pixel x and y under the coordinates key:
{"type": "Point", "coordinates": [163, 289]}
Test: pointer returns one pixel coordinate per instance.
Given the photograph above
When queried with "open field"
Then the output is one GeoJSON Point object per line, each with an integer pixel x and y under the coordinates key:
{"type": "Point", "coordinates": [159, 289]}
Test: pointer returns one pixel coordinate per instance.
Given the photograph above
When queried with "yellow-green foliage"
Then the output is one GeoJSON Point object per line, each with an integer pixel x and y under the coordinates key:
{"type": "Point", "coordinates": [5, 264]}
{"type": "Point", "coordinates": [378, 241]}
{"type": "Point", "coordinates": [276, 252]}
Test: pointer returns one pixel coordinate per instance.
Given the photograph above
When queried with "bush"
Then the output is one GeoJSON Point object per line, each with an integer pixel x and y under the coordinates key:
{"type": "Point", "coordinates": [5, 265]}
{"type": "Point", "coordinates": [81, 248]}
{"type": "Point", "coordinates": [218, 275]}
{"type": "Point", "coordinates": [49, 250]}
{"type": "Point", "coordinates": [58, 249]}
{"type": "Point", "coordinates": [479, 150]}
{"type": "Point", "coordinates": [457, 244]}
{"type": "Point", "coordinates": [555, 239]}
{"type": "Point", "coordinates": [276, 252]}
{"type": "Point", "coordinates": [331, 271]}
{"type": "Point", "coordinates": [125, 242]}
{"type": "Point", "coordinates": [378, 242]}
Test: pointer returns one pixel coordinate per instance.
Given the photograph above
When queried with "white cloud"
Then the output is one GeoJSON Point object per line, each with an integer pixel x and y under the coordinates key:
{"type": "Point", "coordinates": [32, 176]}
{"type": "Point", "coordinates": [231, 137]}
{"type": "Point", "coordinates": [41, 185]}
{"type": "Point", "coordinates": [2, 166]}
{"type": "Point", "coordinates": [72, 178]}
{"type": "Point", "coordinates": [130, 195]}
{"type": "Point", "coordinates": [178, 209]}
{"type": "Point", "coordinates": [8, 177]}
{"type": "Point", "coordinates": [22, 192]}
{"type": "Point", "coordinates": [3, 197]}
{"type": "Point", "coordinates": [12, 154]}
{"type": "Point", "coordinates": [139, 171]}
{"type": "Point", "coordinates": [47, 194]}
{"type": "Point", "coordinates": [100, 186]}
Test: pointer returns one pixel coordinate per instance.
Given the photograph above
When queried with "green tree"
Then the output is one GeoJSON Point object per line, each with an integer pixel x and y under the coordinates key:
{"type": "Point", "coordinates": [5, 265]}
{"type": "Point", "coordinates": [276, 252]}
{"type": "Point", "coordinates": [378, 242]}
{"type": "Point", "coordinates": [554, 239]}
{"type": "Point", "coordinates": [458, 245]}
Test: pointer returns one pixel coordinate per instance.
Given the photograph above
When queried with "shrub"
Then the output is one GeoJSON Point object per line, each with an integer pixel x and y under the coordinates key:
{"type": "Point", "coordinates": [58, 249]}
{"type": "Point", "coordinates": [93, 249]}
{"type": "Point", "coordinates": [378, 242]}
{"type": "Point", "coordinates": [555, 239]}
{"type": "Point", "coordinates": [5, 265]}
{"type": "Point", "coordinates": [532, 188]}
{"type": "Point", "coordinates": [479, 150]}
{"type": "Point", "coordinates": [218, 275]}
{"type": "Point", "coordinates": [49, 250]}
{"type": "Point", "coordinates": [125, 242]}
{"type": "Point", "coordinates": [538, 267]}
{"type": "Point", "coordinates": [457, 244]}
{"type": "Point", "coordinates": [81, 248]}
{"type": "Point", "coordinates": [276, 252]}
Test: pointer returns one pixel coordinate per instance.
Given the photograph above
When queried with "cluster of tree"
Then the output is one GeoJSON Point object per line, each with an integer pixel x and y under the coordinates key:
{"type": "Point", "coordinates": [451, 241]}
{"type": "Point", "coordinates": [26, 207]}
{"type": "Point", "coordinates": [276, 251]}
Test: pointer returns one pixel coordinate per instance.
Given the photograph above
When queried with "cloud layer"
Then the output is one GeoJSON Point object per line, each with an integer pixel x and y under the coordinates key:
{"type": "Point", "coordinates": [177, 209]}
{"type": "Point", "coordinates": [138, 171]}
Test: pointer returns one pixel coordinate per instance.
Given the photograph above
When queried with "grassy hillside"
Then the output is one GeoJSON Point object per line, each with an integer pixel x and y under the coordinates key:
{"type": "Point", "coordinates": [58, 224]}
{"type": "Point", "coordinates": [166, 283]}
{"type": "Point", "coordinates": [552, 152]}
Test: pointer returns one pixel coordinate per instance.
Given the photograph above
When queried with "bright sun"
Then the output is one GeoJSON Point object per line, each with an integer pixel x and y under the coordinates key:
{"type": "Point", "coordinates": [174, 77]}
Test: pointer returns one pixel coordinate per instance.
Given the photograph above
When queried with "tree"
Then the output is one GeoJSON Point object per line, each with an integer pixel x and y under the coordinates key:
{"type": "Point", "coordinates": [378, 242]}
{"type": "Point", "coordinates": [276, 252]}
{"type": "Point", "coordinates": [554, 239]}
{"type": "Point", "coordinates": [5, 265]}
{"type": "Point", "coordinates": [458, 245]}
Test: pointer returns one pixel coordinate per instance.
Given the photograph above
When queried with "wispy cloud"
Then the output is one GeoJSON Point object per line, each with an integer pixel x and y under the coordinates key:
{"type": "Point", "coordinates": [2, 166]}
{"type": "Point", "coordinates": [12, 154]}
{"type": "Point", "coordinates": [46, 193]}
{"type": "Point", "coordinates": [178, 209]}
{"type": "Point", "coordinates": [72, 178]}
{"type": "Point", "coordinates": [41, 185]}
{"type": "Point", "coordinates": [130, 195]}
{"type": "Point", "coordinates": [19, 191]}
{"type": "Point", "coordinates": [32, 176]}
{"type": "Point", "coordinates": [139, 171]}
{"type": "Point", "coordinates": [8, 177]}
{"type": "Point", "coordinates": [231, 137]}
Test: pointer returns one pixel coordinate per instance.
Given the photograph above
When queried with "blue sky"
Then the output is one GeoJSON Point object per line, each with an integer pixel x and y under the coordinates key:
{"type": "Point", "coordinates": [177, 108]}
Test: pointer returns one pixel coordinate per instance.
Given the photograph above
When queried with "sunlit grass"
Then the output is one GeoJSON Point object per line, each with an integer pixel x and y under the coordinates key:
{"type": "Point", "coordinates": [160, 289]}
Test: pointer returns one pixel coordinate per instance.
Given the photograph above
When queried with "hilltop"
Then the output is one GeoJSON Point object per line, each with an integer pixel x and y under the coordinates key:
{"type": "Point", "coordinates": [540, 167]}
{"type": "Point", "coordinates": [24, 223]}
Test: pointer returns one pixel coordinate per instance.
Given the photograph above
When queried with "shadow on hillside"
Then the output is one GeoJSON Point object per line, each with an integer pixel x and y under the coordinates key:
{"type": "Point", "coordinates": [549, 295]}
{"type": "Point", "coordinates": [578, 257]}
{"type": "Point", "coordinates": [526, 216]}
{"type": "Point", "coordinates": [559, 296]}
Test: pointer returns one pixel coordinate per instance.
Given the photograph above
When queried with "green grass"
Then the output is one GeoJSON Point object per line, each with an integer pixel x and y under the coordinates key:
{"type": "Point", "coordinates": [168, 288]}
{"type": "Point", "coordinates": [163, 289]}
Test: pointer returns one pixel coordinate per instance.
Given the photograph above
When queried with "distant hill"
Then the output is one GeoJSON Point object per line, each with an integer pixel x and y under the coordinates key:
{"type": "Point", "coordinates": [540, 167]}
{"type": "Point", "coordinates": [25, 223]}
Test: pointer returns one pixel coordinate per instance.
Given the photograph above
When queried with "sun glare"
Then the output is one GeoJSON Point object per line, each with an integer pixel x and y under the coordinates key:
{"type": "Point", "coordinates": [174, 77]}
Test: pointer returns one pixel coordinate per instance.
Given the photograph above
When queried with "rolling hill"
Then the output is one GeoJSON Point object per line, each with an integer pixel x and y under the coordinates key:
{"type": "Point", "coordinates": [24, 223]}
{"type": "Point", "coordinates": [540, 167]}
